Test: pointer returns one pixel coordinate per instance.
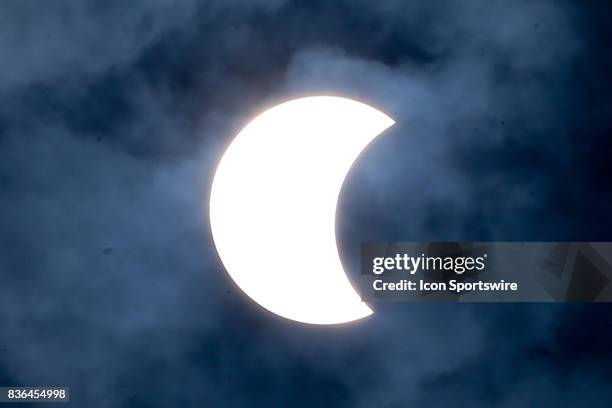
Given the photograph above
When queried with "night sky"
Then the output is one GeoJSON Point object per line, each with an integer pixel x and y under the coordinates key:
{"type": "Point", "coordinates": [113, 115]}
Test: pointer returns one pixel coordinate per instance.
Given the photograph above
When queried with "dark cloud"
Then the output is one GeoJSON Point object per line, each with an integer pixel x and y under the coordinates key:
{"type": "Point", "coordinates": [114, 115]}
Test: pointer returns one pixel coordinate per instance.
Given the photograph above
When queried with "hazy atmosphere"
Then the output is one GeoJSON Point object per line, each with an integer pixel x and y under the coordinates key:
{"type": "Point", "coordinates": [114, 114]}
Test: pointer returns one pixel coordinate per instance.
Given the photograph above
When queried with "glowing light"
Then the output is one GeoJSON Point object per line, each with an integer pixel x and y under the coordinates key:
{"type": "Point", "coordinates": [273, 206]}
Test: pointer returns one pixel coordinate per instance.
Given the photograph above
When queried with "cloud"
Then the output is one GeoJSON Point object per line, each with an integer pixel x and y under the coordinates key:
{"type": "Point", "coordinates": [67, 40]}
{"type": "Point", "coordinates": [114, 116]}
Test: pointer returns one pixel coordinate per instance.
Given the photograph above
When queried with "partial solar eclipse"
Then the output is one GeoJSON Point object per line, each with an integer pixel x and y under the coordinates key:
{"type": "Point", "coordinates": [273, 206]}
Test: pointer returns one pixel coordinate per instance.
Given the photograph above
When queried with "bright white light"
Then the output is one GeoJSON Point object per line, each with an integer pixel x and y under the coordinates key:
{"type": "Point", "coordinates": [273, 206]}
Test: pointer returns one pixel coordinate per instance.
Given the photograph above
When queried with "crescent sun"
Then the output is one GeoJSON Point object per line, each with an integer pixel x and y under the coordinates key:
{"type": "Point", "coordinates": [273, 206]}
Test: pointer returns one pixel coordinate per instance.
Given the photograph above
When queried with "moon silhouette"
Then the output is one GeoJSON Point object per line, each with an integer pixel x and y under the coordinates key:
{"type": "Point", "coordinates": [273, 206]}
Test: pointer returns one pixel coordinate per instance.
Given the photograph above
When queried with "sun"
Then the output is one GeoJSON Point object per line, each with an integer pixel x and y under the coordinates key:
{"type": "Point", "coordinates": [273, 206]}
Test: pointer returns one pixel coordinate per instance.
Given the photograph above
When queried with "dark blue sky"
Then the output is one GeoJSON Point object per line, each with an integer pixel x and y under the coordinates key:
{"type": "Point", "coordinates": [113, 115]}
